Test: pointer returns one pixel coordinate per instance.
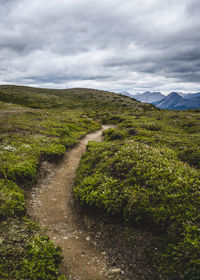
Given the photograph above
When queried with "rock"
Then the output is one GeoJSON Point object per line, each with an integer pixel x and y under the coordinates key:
{"type": "Point", "coordinates": [115, 271]}
{"type": "Point", "coordinates": [88, 238]}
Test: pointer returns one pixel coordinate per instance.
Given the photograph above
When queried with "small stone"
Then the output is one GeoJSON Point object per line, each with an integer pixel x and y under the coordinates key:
{"type": "Point", "coordinates": [88, 238]}
{"type": "Point", "coordinates": [115, 270]}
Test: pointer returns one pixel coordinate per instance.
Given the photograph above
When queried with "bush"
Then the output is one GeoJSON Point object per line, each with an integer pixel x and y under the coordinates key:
{"type": "Point", "coordinates": [152, 126]}
{"type": "Point", "coordinates": [191, 156]}
{"type": "Point", "coordinates": [150, 187]}
{"type": "Point", "coordinates": [132, 131]}
{"type": "Point", "coordinates": [41, 260]}
{"type": "Point", "coordinates": [183, 256]}
{"type": "Point", "coordinates": [23, 172]}
{"type": "Point", "coordinates": [12, 202]}
{"type": "Point", "coordinates": [113, 134]}
{"type": "Point", "coordinates": [52, 153]}
{"type": "Point", "coordinates": [26, 253]}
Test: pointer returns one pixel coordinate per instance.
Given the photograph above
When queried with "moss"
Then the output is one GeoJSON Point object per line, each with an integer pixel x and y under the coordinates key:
{"type": "Point", "coordinates": [12, 202]}
{"type": "Point", "coordinates": [52, 153]}
{"type": "Point", "coordinates": [152, 126]}
{"type": "Point", "coordinates": [113, 134]}
{"type": "Point", "coordinates": [191, 156]}
{"type": "Point", "coordinates": [26, 253]}
{"type": "Point", "coordinates": [41, 260]}
{"type": "Point", "coordinates": [23, 172]}
{"type": "Point", "coordinates": [151, 188]}
{"type": "Point", "coordinates": [35, 136]}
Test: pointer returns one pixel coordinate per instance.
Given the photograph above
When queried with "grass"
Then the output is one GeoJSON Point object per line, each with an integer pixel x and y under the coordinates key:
{"type": "Point", "coordinates": [29, 136]}
{"type": "Point", "coordinates": [146, 171]}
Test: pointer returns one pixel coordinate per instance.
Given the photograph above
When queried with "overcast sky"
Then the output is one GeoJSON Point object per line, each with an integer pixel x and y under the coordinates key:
{"type": "Point", "coordinates": [133, 45]}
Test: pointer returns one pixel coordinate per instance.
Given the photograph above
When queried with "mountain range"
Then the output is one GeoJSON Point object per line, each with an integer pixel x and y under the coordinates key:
{"type": "Point", "coordinates": [173, 101]}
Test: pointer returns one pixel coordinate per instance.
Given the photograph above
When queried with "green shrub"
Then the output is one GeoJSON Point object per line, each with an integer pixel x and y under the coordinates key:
{"type": "Point", "coordinates": [150, 187]}
{"type": "Point", "coordinates": [68, 142]}
{"type": "Point", "coordinates": [113, 134]}
{"type": "Point", "coordinates": [107, 118]}
{"type": "Point", "coordinates": [191, 156]}
{"type": "Point", "coordinates": [152, 126]}
{"type": "Point", "coordinates": [52, 153]}
{"type": "Point", "coordinates": [26, 253]}
{"type": "Point", "coordinates": [117, 119]}
{"type": "Point", "coordinates": [23, 172]}
{"type": "Point", "coordinates": [132, 131]}
{"type": "Point", "coordinates": [41, 260]}
{"type": "Point", "coordinates": [183, 256]}
{"type": "Point", "coordinates": [12, 202]}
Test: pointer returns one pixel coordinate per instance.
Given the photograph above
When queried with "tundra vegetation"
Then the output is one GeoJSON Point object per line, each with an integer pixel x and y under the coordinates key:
{"type": "Point", "coordinates": [146, 172]}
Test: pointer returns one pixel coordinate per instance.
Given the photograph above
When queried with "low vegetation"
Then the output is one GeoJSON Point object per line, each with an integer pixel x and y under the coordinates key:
{"type": "Point", "coordinates": [27, 137]}
{"type": "Point", "coordinates": [146, 172]}
{"type": "Point", "coordinates": [149, 187]}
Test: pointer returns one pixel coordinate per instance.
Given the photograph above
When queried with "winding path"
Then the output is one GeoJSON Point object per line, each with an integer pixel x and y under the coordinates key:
{"type": "Point", "coordinates": [50, 205]}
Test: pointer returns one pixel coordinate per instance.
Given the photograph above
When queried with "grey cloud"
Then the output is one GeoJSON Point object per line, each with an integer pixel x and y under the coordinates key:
{"type": "Point", "coordinates": [110, 43]}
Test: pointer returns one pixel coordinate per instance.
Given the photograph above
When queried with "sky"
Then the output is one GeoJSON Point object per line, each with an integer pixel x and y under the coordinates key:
{"type": "Point", "coordinates": [116, 45]}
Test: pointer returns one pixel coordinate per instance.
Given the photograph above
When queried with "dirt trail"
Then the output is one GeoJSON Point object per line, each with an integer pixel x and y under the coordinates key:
{"type": "Point", "coordinates": [51, 206]}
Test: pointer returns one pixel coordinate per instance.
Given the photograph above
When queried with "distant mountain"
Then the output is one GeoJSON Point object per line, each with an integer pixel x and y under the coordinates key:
{"type": "Point", "coordinates": [149, 97]}
{"type": "Point", "coordinates": [189, 95]}
{"type": "Point", "coordinates": [177, 101]}
{"type": "Point", "coordinates": [192, 103]}
{"type": "Point", "coordinates": [173, 101]}
{"type": "Point", "coordinates": [126, 93]}
{"type": "Point", "coordinates": [170, 101]}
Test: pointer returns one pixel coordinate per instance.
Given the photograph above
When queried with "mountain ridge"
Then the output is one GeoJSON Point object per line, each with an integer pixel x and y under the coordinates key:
{"type": "Point", "coordinates": [173, 101]}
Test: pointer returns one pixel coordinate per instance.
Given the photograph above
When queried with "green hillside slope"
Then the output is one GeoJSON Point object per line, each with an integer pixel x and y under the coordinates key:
{"type": "Point", "coordinates": [146, 171]}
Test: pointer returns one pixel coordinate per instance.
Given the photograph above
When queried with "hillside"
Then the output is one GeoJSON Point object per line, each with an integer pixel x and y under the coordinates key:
{"type": "Point", "coordinates": [144, 178]}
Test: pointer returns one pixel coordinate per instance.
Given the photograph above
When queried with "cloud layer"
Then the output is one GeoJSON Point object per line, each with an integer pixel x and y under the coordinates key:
{"type": "Point", "coordinates": [109, 44]}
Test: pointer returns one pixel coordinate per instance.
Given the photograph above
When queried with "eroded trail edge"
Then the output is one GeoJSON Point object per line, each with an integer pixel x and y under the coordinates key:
{"type": "Point", "coordinates": [50, 205]}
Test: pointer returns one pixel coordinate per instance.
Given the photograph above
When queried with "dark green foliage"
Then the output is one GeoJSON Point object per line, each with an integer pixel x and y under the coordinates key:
{"type": "Point", "coordinates": [191, 156]}
{"type": "Point", "coordinates": [34, 136]}
{"type": "Point", "coordinates": [12, 202]}
{"type": "Point", "coordinates": [183, 256]}
{"type": "Point", "coordinates": [113, 134]}
{"type": "Point", "coordinates": [132, 131]}
{"type": "Point", "coordinates": [52, 153]}
{"type": "Point", "coordinates": [26, 253]}
{"type": "Point", "coordinates": [22, 172]}
{"type": "Point", "coordinates": [41, 260]}
{"type": "Point", "coordinates": [116, 119]}
{"type": "Point", "coordinates": [151, 188]}
{"type": "Point", "coordinates": [29, 97]}
{"type": "Point", "coordinates": [152, 126]}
